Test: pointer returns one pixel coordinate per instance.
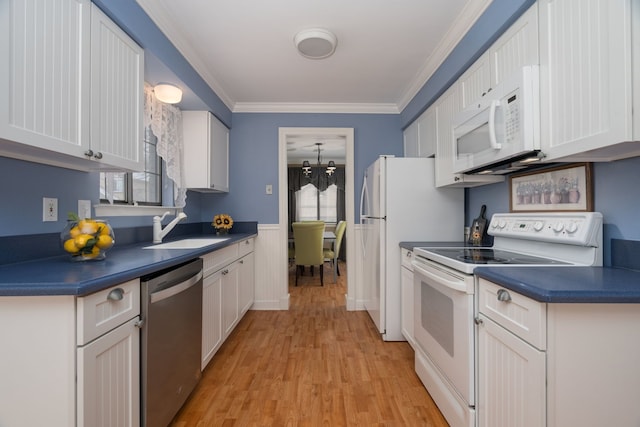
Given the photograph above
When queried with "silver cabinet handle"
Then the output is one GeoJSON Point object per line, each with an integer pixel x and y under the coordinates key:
{"type": "Point", "coordinates": [478, 321]}
{"type": "Point", "coordinates": [409, 254]}
{"type": "Point", "coordinates": [139, 323]}
{"type": "Point", "coordinates": [503, 295]}
{"type": "Point", "coordinates": [116, 295]}
{"type": "Point", "coordinates": [98, 155]}
{"type": "Point", "coordinates": [88, 153]}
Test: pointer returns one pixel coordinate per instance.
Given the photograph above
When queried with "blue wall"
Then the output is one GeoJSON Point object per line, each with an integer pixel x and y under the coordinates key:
{"type": "Point", "coordinates": [616, 196]}
{"type": "Point", "coordinates": [253, 151]}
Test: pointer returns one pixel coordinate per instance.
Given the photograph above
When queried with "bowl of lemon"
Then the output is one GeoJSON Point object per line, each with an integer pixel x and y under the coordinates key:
{"type": "Point", "coordinates": [87, 239]}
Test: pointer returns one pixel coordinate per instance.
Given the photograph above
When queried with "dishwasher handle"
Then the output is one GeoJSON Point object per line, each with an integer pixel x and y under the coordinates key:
{"type": "Point", "coordinates": [176, 289]}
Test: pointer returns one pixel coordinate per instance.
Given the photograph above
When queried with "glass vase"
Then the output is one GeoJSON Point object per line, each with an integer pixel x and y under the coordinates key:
{"type": "Point", "coordinates": [87, 239]}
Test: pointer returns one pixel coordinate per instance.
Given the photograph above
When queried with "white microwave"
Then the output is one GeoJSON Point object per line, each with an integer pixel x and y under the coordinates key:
{"type": "Point", "coordinates": [503, 127]}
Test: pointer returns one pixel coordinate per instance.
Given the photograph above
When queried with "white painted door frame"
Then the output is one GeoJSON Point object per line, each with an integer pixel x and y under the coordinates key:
{"type": "Point", "coordinates": [347, 133]}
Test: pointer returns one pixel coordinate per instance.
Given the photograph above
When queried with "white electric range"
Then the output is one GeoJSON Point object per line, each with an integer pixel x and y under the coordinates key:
{"type": "Point", "coordinates": [444, 294]}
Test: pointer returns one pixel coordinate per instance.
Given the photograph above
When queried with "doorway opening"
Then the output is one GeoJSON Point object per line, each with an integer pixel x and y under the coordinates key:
{"type": "Point", "coordinates": [318, 146]}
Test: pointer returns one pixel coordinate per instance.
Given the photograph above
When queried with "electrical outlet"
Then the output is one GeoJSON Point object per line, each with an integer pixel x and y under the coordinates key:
{"type": "Point", "coordinates": [49, 209]}
{"type": "Point", "coordinates": [84, 209]}
{"type": "Point", "coordinates": [269, 189]}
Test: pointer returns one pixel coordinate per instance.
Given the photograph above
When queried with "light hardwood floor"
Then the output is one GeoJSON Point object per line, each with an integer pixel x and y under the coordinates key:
{"type": "Point", "coordinates": [314, 365]}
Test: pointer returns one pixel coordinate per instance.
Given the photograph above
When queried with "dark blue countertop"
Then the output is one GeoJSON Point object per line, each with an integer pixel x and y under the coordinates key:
{"type": "Point", "coordinates": [61, 276]}
{"type": "Point", "coordinates": [568, 284]}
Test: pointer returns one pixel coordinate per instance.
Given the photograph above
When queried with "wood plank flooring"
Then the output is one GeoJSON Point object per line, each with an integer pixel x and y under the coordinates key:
{"type": "Point", "coordinates": [314, 365]}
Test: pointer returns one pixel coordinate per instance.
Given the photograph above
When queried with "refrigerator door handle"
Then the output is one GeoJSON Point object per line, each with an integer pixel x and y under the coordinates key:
{"type": "Point", "coordinates": [363, 197]}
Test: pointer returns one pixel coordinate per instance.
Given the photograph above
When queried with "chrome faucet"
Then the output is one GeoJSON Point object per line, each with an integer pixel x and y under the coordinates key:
{"type": "Point", "coordinates": [158, 232]}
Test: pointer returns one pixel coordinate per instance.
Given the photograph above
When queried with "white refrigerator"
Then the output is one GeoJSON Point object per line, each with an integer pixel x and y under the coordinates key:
{"type": "Point", "coordinates": [400, 202]}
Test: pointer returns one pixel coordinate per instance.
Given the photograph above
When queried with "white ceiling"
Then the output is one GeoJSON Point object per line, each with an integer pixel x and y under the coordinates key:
{"type": "Point", "coordinates": [244, 49]}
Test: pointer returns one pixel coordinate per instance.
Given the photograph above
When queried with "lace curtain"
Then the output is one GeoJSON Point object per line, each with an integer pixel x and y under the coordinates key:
{"type": "Point", "coordinates": [166, 124]}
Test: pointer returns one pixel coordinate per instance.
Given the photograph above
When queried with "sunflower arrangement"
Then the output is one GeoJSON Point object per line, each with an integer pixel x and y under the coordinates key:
{"type": "Point", "coordinates": [222, 222]}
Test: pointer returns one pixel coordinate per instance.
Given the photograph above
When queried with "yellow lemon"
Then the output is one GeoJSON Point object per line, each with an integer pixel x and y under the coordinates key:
{"type": "Point", "coordinates": [95, 251]}
{"type": "Point", "coordinates": [81, 240]}
{"type": "Point", "coordinates": [104, 230]}
{"type": "Point", "coordinates": [88, 226]}
{"type": "Point", "coordinates": [70, 246]}
{"type": "Point", "coordinates": [74, 232]}
{"type": "Point", "coordinates": [104, 241]}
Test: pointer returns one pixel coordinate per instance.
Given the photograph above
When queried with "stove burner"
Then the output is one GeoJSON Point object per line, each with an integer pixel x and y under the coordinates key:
{"type": "Point", "coordinates": [481, 256]}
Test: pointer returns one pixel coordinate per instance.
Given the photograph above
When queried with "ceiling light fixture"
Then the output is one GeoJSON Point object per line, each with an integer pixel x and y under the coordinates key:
{"type": "Point", "coordinates": [315, 43]}
{"type": "Point", "coordinates": [167, 93]}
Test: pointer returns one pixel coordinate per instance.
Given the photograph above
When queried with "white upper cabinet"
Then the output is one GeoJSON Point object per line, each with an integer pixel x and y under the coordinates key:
{"type": "Point", "coordinates": [45, 74]}
{"type": "Point", "coordinates": [517, 47]}
{"type": "Point", "coordinates": [117, 89]}
{"type": "Point", "coordinates": [420, 137]}
{"type": "Point", "coordinates": [206, 152]}
{"type": "Point", "coordinates": [587, 79]}
{"type": "Point", "coordinates": [48, 104]}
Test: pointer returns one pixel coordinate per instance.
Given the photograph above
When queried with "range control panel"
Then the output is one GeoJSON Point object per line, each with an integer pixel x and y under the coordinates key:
{"type": "Point", "coordinates": [574, 228]}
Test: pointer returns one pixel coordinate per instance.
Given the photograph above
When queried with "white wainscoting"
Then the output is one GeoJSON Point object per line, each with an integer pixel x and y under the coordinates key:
{"type": "Point", "coordinates": [271, 270]}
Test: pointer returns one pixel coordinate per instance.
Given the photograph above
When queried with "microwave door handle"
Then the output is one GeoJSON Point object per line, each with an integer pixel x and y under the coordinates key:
{"type": "Point", "coordinates": [492, 125]}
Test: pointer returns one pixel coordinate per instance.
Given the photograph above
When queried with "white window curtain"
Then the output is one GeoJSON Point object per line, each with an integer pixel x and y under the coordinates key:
{"type": "Point", "coordinates": [307, 199]}
{"type": "Point", "coordinates": [166, 123]}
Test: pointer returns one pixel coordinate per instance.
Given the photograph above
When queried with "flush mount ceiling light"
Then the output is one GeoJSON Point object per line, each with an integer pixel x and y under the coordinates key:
{"type": "Point", "coordinates": [169, 94]}
{"type": "Point", "coordinates": [315, 43]}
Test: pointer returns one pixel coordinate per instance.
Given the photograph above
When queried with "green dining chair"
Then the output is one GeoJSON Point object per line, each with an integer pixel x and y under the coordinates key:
{"type": "Point", "coordinates": [333, 253]}
{"type": "Point", "coordinates": [307, 239]}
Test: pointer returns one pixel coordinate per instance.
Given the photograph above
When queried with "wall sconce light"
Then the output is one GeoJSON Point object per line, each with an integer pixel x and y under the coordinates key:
{"type": "Point", "coordinates": [169, 94]}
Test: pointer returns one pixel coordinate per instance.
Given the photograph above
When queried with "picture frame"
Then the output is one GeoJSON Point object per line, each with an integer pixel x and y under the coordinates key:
{"type": "Point", "coordinates": [566, 188]}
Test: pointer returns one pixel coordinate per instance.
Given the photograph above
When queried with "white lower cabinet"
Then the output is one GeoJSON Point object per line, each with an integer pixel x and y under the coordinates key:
{"type": "Point", "coordinates": [511, 379]}
{"type": "Point", "coordinates": [228, 292]}
{"type": "Point", "coordinates": [229, 298]}
{"type": "Point", "coordinates": [556, 364]}
{"type": "Point", "coordinates": [406, 291]}
{"type": "Point", "coordinates": [108, 379]}
{"type": "Point", "coordinates": [70, 361]}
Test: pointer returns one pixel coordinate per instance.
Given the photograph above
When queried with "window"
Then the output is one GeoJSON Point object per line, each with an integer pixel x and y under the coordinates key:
{"type": "Point", "coordinates": [143, 188]}
{"type": "Point", "coordinates": [312, 204]}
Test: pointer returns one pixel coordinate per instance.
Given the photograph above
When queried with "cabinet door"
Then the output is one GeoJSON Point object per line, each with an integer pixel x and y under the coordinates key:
{"type": "Point", "coordinates": [411, 140]}
{"type": "Point", "coordinates": [511, 379]}
{"type": "Point", "coordinates": [219, 156]}
{"type": "Point", "coordinates": [447, 106]}
{"type": "Point", "coordinates": [427, 129]}
{"type": "Point", "coordinates": [211, 316]}
{"type": "Point", "coordinates": [109, 379]}
{"type": "Point", "coordinates": [246, 283]}
{"type": "Point", "coordinates": [406, 284]}
{"type": "Point", "coordinates": [476, 81]}
{"type": "Point", "coordinates": [45, 75]}
{"type": "Point", "coordinates": [230, 313]}
{"type": "Point", "coordinates": [585, 75]}
{"type": "Point", "coordinates": [117, 69]}
{"type": "Point", "coordinates": [517, 47]}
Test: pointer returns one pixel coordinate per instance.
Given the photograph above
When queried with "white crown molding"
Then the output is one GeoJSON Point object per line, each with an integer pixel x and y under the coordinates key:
{"type": "Point", "coordinates": [472, 10]}
{"type": "Point", "coordinates": [162, 19]}
{"type": "Point", "coordinates": [292, 107]}
{"type": "Point", "coordinates": [461, 25]}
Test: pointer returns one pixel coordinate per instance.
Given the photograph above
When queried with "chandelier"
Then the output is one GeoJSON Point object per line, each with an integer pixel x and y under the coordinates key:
{"type": "Point", "coordinates": [306, 166]}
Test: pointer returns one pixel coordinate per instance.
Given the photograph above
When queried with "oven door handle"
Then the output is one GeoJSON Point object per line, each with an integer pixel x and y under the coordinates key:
{"type": "Point", "coordinates": [457, 285]}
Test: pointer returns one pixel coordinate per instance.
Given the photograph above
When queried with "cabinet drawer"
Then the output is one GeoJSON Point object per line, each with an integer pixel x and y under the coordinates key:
{"type": "Point", "coordinates": [215, 260]}
{"type": "Point", "coordinates": [102, 311]}
{"type": "Point", "coordinates": [245, 247]}
{"type": "Point", "coordinates": [521, 315]}
{"type": "Point", "coordinates": [406, 258]}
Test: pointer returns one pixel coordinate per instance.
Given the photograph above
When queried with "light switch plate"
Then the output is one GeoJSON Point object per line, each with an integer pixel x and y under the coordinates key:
{"type": "Point", "coordinates": [269, 189]}
{"type": "Point", "coordinates": [84, 209]}
{"type": "Point", "coordinates": [49, 209]}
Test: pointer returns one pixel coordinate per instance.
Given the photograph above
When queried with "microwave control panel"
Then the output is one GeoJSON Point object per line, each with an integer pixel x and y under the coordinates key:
{"type": "Point", "coordinates": [511, 116]}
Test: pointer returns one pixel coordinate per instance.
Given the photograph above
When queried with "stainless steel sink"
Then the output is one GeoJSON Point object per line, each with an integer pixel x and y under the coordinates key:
{"type": "Point", "coordinates": [188, 243]}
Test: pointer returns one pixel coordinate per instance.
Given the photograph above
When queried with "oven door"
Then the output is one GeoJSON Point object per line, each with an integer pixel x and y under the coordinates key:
{"type": "Point", "coordinates": [443, 323]}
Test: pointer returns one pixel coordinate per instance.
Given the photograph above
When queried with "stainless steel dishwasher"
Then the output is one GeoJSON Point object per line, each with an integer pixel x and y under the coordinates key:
{"type": "Point", "coordinates": [171, 340]}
